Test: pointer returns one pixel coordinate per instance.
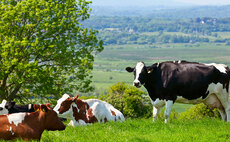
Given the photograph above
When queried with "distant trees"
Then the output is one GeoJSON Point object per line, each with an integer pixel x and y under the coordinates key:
{"type": "Point", "coordinates": [131, 30]}
{"type": "Point", "coordinates": [146, 24]}
{"type": "Point", "coordinates": [137, 38]}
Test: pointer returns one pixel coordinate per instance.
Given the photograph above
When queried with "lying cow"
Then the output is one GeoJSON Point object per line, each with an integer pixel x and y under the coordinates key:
{"type": "Point", "coordinates": [82, 112]}
{"type": "Point", "coordinates": [184, 82]}
{"type": "Point", "coordinates": [29, 126]}
{"type": "Point", "coordinates": [11, 107]}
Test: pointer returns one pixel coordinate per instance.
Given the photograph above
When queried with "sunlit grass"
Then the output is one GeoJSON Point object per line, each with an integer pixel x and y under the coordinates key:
{"type": "Point", "coordinates": [144, 130]}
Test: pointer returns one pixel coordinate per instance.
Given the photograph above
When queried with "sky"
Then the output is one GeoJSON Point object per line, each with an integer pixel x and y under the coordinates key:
{"type": "Point", "coordinates": [158, 2]}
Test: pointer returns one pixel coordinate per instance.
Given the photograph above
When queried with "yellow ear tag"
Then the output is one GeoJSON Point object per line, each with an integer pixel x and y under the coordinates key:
{"type": "Point", "coordinates": [149, 71]}
{"type": "Point", "coordinates": [43, 110]}
{"type": "Point", "coordinates": [37, 109]}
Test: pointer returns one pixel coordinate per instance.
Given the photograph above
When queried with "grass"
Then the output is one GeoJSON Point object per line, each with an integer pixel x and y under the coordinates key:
{"type": "Point", "coordinates": [144, 130]}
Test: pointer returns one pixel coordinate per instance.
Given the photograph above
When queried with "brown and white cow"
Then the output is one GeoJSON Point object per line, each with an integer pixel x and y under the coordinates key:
{"type": "Point", "coordinates": [29, 126]}
{"type": "Point", "coordinates": [82, 112]}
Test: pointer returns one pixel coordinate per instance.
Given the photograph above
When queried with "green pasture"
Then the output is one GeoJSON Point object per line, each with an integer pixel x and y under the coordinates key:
{"type": "Point", "coordinates": [144, 130]}
{"type": "Point", "coordinates": [118, 57]}
{"type": "Point", "coordinates": [109, 66]}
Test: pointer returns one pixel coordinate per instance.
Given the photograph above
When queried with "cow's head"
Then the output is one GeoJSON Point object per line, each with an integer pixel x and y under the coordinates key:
{"type": "Point", "coordinates": [52, 122]}
{"type": "Point", "coordinates": [140, 73]}
{"type": "Point", "coordinates": [3, 109]}
{"type": "Point", "coordinates": [10, 105]}
{"type": "Point", "coordinates": [64, 106]}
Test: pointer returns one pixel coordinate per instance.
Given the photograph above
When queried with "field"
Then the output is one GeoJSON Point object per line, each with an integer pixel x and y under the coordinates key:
{"type": "Point", "coordinates": [109, 66]}
{"type": "Point", "coordinates": [144, 130]}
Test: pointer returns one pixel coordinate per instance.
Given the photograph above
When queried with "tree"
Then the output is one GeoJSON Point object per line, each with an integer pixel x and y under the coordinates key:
{"type": "Point", "coordinates": [44, 50]}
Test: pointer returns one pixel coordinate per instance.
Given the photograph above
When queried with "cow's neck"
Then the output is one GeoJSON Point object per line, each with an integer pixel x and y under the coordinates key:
{"type": "Point", "coordinates": [80, 110]}
{"type": "Point", "coordinates": [149, 85]}
{"type": "Point", "coordinates": [35, 122]}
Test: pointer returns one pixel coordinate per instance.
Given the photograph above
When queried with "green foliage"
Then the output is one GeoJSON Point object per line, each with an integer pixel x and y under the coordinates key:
{"type": "Point", "coordinates": [42, 44]}
{"type": "Point", "coordinates": [199, 111]}
{"type": "Point", "coordinates": [129, 100]}
{"type": "Point", "coordinates": [173, 115]}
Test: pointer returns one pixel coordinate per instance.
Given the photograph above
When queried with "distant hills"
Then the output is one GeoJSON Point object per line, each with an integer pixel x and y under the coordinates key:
{"type": "Point", "coordinates": [173, 11]}
{"type": "Point", "coordinates": [139, 3]}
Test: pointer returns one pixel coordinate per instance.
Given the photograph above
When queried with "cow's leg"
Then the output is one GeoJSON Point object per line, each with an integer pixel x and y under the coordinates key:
{"type": "Point", "coordinates": [157, 105]}
{"type": "Point", "coordinates": [223, 114]}
{"type": "Point", "coordinates": [155, 113]}
{"type": "Point", "coordinates": [213, 102]}
{"type": "Point", "coordinates": [168, 108]}
{"type": "Point", "coordinates": [71, 123]}
{"type": "Point", "coordinates": [223, 97]}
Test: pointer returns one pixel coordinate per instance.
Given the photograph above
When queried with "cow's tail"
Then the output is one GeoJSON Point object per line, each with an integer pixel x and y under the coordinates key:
{"type": "Point", "coordinates": [228, 76]}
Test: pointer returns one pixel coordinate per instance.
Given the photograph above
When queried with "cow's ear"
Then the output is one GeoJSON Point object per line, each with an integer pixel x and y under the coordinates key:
{"type": "Point", "coordinates": [9, 105]}
{"type": "Point", "coordinates": [36, 107]}
{"type": "Point", "coordinates": [44, 108]}
{"type": "Point", "coordinates": [129, 69]}
{"type": "Point", "coordinates": [75, 98]}
{"type": "Point", "coordinates": [151, 68]}
{"type": "Point", "coordinates": [48, 105]}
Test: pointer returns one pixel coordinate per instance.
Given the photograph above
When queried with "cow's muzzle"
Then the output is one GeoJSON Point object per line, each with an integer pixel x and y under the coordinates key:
{"type": "Point", "coordinates": [137, 84]}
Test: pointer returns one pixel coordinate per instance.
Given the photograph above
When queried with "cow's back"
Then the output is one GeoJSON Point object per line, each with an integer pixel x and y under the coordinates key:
{"type": "Point", "coordinates": [102, 110]}
{"type": "Point", "coordinates": [187, 79]}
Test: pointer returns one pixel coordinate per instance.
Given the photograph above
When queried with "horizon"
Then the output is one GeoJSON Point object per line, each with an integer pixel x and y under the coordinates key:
{"type": "Point", "coordinates": [166, 3]}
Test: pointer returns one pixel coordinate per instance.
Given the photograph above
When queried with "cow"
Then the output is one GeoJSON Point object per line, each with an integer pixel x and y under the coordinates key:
{"type": "Point", "coordinates": [29, 126]}
{"type": "Point", "coordinates": [11, 107]}
{"type": "Point", "coordinates": [83, 112]}
{"type": "Point", "coordinates": [184, 82]}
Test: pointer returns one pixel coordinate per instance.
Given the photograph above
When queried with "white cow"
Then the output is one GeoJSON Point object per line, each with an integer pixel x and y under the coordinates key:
{"type": "Point", "coordinates": [82, 112]}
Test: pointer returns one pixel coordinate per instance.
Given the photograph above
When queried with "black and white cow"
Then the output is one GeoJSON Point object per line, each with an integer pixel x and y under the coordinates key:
{"type": "Point", "coordinates": [184, 82]}
{"type": "Point", "coordinates": [11, 107]}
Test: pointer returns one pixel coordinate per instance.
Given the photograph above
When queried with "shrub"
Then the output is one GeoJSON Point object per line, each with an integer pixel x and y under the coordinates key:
{"type": "Point", "coordinates": [199, 111]}
{"type": "Point", "coordinates": [129, 100]}
{"type": "Point", "coordinates": [173, 115]}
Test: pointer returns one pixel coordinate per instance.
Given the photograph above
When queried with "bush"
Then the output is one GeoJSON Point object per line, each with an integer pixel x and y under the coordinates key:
{"type": "Point", "coordinates": [129, 100]}
{"type": "Point", "coordinates": [199, 111]}
{"type": "Point", "coordinates": [173, 115]}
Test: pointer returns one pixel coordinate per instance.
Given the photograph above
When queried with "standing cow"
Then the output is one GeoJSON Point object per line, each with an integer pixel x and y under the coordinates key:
{"type": "Point", "coordinates": [29, 126]}
{"type": "Point", "coordinates": [184, 82]}
{"type": "Point", "coordinates": [82, 112]}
